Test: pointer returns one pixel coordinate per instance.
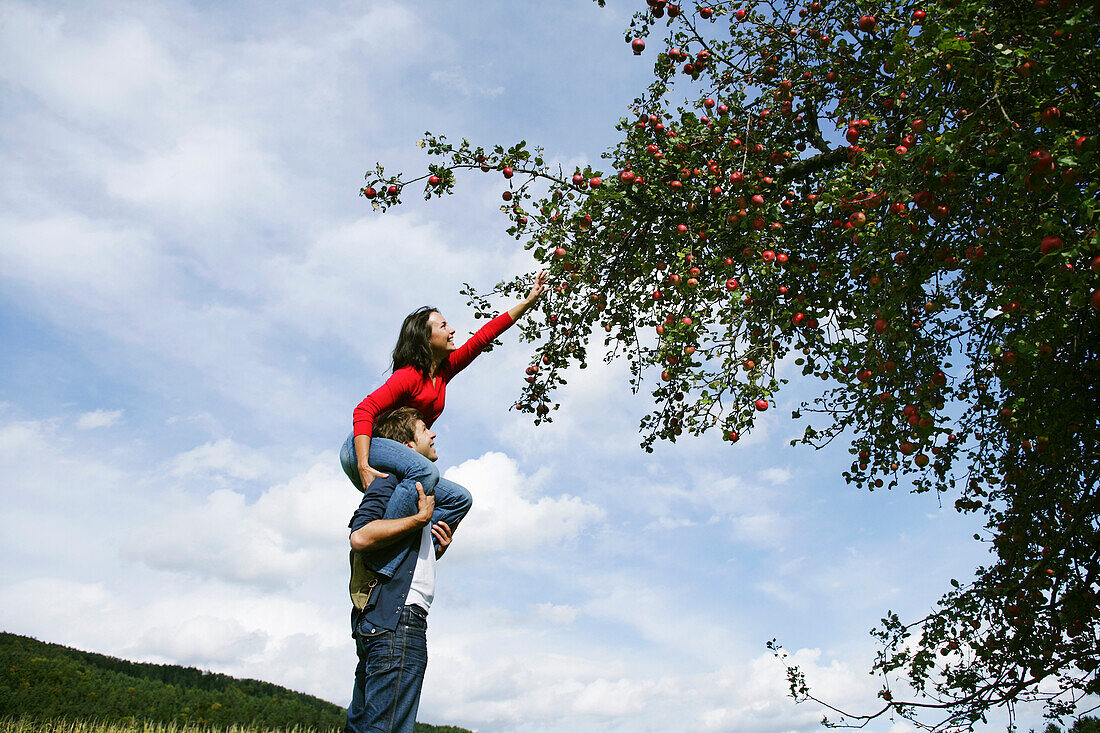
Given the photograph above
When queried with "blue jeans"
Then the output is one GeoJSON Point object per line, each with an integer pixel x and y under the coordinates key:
{"type": "Point", "coordinates": [452, 501]}
{"type": "Point", "coordinates": [389, 676]}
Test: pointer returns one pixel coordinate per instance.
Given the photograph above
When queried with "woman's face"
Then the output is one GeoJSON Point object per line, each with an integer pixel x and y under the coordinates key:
{"type": "Point", "coordinates": [441, 338]}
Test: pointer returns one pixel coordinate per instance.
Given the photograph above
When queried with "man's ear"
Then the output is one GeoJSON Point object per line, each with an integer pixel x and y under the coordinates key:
{"type": "Point", "coordinates": [411, 444]}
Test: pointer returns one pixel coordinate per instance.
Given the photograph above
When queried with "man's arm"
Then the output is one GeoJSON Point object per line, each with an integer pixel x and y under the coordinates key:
{"type": "Point", "coordinates": [383, 532]}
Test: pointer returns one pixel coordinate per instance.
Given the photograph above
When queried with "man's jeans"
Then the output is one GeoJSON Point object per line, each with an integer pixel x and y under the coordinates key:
{"type": "Point", "coordinates": [389, 676]}
{"type": "Point", "coordinates": [452, 501]}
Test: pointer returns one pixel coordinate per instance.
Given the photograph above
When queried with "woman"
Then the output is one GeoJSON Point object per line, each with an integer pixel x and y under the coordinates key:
{"type": "Point", "coordinates": [425, 359]}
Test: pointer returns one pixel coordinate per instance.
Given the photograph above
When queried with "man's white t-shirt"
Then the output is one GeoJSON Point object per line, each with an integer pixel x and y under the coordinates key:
{"type": "Point", "coordinates": [422, 590]}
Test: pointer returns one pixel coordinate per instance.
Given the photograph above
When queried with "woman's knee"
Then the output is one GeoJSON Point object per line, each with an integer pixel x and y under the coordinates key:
{"type": "Point", "coordinates": [457, 496]}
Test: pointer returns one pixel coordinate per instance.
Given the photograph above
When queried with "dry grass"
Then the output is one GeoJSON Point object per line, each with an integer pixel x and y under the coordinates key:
{"type": "Point", "coordinates": [65, 725]}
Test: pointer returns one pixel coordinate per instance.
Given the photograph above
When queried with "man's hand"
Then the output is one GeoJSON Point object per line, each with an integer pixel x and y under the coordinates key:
{"type": "Point", "coordinates": [425, 505]}
{"type": "Point", "coordinates": [442, 533]}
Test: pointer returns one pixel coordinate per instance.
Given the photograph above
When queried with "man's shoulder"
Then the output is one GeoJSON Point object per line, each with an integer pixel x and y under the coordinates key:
{"type": "Point", "coordinates": [374, 501]}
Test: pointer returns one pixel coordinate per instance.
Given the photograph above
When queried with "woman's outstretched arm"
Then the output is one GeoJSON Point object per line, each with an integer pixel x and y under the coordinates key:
{"type": "Point", "coordinates": [524, 305]}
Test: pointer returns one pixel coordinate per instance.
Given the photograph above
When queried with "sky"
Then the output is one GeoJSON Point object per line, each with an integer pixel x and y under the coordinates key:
{"type": "Point", "coordinates": [193, 298]}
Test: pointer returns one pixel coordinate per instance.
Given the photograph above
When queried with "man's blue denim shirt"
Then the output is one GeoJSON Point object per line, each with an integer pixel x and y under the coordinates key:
{"type": "Point", "coordinates": [384, 609]}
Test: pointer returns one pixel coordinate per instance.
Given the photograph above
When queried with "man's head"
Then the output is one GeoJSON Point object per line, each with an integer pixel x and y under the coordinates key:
{"type": "Point", "coordinates": [406, 426]}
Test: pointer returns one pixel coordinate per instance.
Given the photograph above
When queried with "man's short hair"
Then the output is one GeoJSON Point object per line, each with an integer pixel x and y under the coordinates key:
{"type": "Point", "coordinates": [399, 424]}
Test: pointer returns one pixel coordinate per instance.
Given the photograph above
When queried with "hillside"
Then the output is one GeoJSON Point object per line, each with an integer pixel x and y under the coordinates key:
{"type": "Point", "coordinates": [49, 680]}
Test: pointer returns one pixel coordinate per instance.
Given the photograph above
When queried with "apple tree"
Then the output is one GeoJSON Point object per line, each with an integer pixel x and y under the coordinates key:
{"type": "Point", "coordinates": [899, 201]}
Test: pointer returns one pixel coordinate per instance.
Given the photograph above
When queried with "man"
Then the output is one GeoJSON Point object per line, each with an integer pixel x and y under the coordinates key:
{"type": "Point", "coordinates": [390, 617]}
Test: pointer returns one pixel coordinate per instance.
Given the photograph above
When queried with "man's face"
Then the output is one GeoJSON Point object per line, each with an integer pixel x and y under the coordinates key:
{"type": "Point", "coordinates": [423, 441]}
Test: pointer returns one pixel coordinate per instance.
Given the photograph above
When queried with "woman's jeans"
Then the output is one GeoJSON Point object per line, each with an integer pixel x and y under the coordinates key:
{"type": "Point", "coordinates": [452, 501]}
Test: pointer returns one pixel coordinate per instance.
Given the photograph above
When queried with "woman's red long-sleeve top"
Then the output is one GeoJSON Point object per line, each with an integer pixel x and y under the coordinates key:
{"type": "Point", "coordinates": [407, 387]}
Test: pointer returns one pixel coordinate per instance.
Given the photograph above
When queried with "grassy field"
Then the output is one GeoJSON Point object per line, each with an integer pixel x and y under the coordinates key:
{"type": "Point", "coordinates": [67, 725]}
{"type": "Point", "coordinates": [64, 725]}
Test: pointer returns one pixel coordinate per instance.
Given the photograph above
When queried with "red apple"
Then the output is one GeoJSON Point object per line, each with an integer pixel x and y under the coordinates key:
{"type": "Point", "coordinates": [369, 192]}
{"type": "Point", "coordinates": [732, 284]}
{"type": "Point", "coordinates": [507, 171]}
{"type": "Point", "coordinates": [761, 405]}
{"type": "Point", "coordinates": [595, 182]}
{"type": "Point", "coordinates": [638, 45]}
{"type": "Point", "coordinates": [1050, 244]}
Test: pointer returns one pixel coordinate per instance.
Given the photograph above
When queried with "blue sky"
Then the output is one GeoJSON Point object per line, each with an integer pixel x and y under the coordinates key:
{"type": "Point", "coordinates": [193, 298]}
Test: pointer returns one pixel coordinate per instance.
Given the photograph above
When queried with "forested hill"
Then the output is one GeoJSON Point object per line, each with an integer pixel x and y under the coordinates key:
{"type": "Point", "coordinates": [49, 680]}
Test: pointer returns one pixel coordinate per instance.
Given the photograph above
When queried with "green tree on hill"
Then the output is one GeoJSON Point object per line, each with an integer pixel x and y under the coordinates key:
{"type": "Point", "coordinates": [901, 199]}
{"type": "Point", "coordinates": [49, 681]}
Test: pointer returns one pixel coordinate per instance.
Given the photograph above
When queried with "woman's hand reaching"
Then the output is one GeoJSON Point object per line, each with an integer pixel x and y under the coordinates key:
{"type": "Point", "coordinates": [537, 289]}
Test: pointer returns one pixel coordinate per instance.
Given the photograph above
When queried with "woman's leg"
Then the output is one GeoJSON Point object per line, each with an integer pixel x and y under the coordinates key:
{"type": "Point", "coordinates": [390, 456]}
{"type": "Point", "coordinates": [452, 502]}
{"type": "Point", "coordinates": [349, 463]}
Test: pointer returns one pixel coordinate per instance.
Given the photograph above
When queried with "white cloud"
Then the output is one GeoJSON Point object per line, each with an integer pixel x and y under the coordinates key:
{"type": "Point", "coordinates": [460, 82]}
{"type": "Point", "coordinates": [775, 475]}
{"type": "Point", "coordinates": [555, 614]}
{"type": "Point", "coordinates": [95, 70]}
{"type": "Point", "coordinates": [208, 169]}
{"type": "Point", "coordinates": [507, 515]}
{"type": "Point", "coordinates": [205, 641]}
{"type": "Point", "coordinates": [98, 419]}
{"type": "Point", "coordinates": [275, 541]}
{"type": "Point", "coordinates": [222, 458]}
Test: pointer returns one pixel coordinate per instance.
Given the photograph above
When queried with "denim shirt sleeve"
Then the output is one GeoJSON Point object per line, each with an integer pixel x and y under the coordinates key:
{"type": "Point", "coordinates": [375, 499]}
